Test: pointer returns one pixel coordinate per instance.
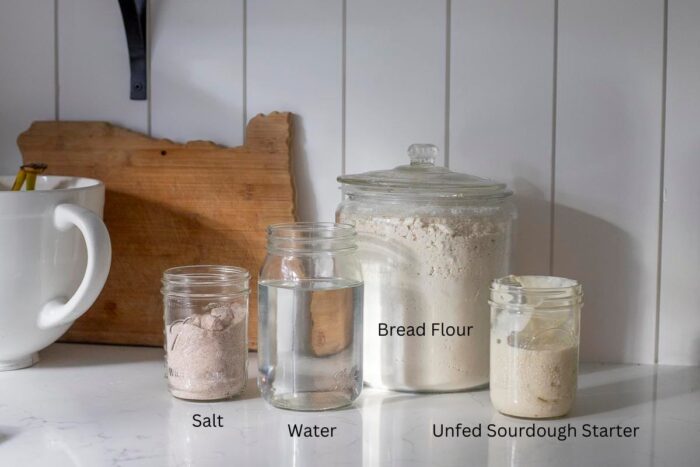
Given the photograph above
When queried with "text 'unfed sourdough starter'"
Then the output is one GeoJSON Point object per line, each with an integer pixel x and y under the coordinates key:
{"type": "Point", "coordinates": [534, 430]}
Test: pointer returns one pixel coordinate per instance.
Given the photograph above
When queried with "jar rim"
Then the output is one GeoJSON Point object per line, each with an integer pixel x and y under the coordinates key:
{"type": "Point", "coordinates": [311, 231]}
{"type": "Point", "coordinates": [206, 275]}
{"type": "Point", "coordinates": [535, 283]}
{"type": "Point", "coordinates": [536, 292]}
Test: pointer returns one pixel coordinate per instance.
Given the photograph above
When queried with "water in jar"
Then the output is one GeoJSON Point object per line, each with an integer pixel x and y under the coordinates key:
{"type": "Point", "coordinates": [310, 349]}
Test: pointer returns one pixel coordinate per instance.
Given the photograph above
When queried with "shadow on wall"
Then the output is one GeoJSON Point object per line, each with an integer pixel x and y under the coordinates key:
{"type": "Point", "coordinates": [603, 258]}
{"type": "Point", "coordinates": [10, 159]}
{"type": "Point", "coordinates": [598, 254]}
{"type": "Point", "coordinates": [305, 201]}
{"type": "Point", "coordinates": [532, 232]}
{"type": "Point", "coordinates": [147, 238]}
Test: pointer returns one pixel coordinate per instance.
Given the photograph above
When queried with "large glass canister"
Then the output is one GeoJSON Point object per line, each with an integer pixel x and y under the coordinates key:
{"type": "Point", "coordinates": [430, 241]}
{"type": "Point", "coordinates": [310, 317]}
{"type": "Point", "coordinates": [534, 345]}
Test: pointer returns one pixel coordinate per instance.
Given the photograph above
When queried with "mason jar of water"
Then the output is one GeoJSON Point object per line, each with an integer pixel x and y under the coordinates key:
{"type": "Point", "coordinates": [310, 317]}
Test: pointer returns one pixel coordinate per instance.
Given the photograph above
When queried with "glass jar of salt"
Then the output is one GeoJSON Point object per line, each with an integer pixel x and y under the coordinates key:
{"type": "Point", "coordinates": [206, 331]}
{"type": "Point", "coordinates": [534, 345]}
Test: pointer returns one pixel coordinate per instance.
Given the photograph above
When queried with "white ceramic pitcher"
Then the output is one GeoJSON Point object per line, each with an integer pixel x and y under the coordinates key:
{"type": "Point", "coordinates": [55, 255]}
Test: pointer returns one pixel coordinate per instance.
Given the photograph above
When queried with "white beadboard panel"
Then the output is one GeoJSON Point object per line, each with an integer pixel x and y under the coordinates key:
{"type": "Point", "coordinates": [27, 81]}
{"type": "Point", "coordinates": [93, 65]}
{"type": "Point", "coordinates": [608, 164]}
{"type": "Point", "coordinates": [197, 70]}
{"type": "Point", "coordinates": [502, 67]}
{"type": "Point", "coordinates": [395, 80]}
{"type": "Point", "coordinates": [294, 63]}
{"type": "Point", "coordinates": [679, 328]}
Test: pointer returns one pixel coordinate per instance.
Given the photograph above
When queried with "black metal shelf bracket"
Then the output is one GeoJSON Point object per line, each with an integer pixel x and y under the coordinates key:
{"type": "Point", "coordinates": [134, 15]}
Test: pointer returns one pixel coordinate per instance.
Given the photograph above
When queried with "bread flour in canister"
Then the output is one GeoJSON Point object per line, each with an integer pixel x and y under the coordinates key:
{"type": "Point", "coordinates": [430, 241]}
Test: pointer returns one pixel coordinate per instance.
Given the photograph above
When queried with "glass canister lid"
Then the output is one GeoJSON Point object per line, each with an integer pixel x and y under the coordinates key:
{"type": "Point", "coordinates": [422, 176]}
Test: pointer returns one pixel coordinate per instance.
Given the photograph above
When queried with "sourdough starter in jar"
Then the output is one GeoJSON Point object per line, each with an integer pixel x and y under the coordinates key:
{"type": "Point", "coordinates": [534, 345]}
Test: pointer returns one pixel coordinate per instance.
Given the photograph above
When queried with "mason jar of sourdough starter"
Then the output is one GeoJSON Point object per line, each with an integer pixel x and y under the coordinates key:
{"type": "Point", "coordinates": [430, 241]}
{"type": "Point", "coordinates": [534, 345]}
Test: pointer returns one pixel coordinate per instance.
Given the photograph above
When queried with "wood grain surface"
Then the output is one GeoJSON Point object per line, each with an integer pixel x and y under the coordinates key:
{"type": "Point", "coordinates": [170, 204]}
{"type": "Point", "coordinates": [331, 321]}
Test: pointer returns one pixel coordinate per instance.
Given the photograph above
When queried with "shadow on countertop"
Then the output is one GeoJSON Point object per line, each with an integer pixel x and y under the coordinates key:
{"type": "Point", "coordinates": [7, 432]}
{"type": "Point", "coordinates": [78, 355]}
{"type": "Point", "coordinates": [662, 383]}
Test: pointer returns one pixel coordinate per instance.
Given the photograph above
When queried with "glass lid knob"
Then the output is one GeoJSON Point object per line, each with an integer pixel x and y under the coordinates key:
{"type": "Point", "coordinates": [422, 154]}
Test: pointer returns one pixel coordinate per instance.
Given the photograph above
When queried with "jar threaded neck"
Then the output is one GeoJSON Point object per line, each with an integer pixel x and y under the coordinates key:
{"type": "Point", "coordinates": [311, 237]}
{"type": "Point", "coordinates": [205, 280]}
{"type": "Point", "coordinates": [536, 292]}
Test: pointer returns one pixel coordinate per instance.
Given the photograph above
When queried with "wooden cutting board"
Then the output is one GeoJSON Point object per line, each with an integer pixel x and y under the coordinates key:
{"type": "Point", "coordinates": [170, 204]}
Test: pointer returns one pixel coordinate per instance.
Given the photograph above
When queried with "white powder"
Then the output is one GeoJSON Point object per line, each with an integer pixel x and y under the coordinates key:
{"type": "Point", "coordinates": [533, 383]}
{"type": "Point", "coordinates": [425, 269]}
{"type": "Point", "coordinates": [206, 354]}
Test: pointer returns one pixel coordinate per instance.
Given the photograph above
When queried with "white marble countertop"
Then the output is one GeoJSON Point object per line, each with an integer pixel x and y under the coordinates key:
{"type": "Point", "coordinates": [106, 405]}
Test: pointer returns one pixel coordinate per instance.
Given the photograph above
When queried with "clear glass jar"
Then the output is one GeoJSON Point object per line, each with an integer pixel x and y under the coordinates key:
{"type": "Point", "coordinates": [534, 345]}
{"type": "Point", "coordinates": [310, 317]}
{"type": "Point", "coordinates": [206, 331]}
{"type": "Point", "coordinates": [430, 241]}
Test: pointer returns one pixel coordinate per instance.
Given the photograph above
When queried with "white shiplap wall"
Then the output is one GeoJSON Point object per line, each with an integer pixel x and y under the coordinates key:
{"type": "Point", "coordinates": [197, 73]}
{"type": "Point", "coordinates": [607, 169]}
{"type": "Point", "coordinates": [395, 80]}
{"type": "Point", "coordinates": [587, 108]}
{"type": "Point", "coordinates": [92, 62]}
{"type": "Point", "coordinates": [501, 61]}
{"type": "Point", "coordinates": [679, 326]}
{"type": "Point", "coordinates": [295, 63]}
{"type": "Point", "coordinates": [27, 72]}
